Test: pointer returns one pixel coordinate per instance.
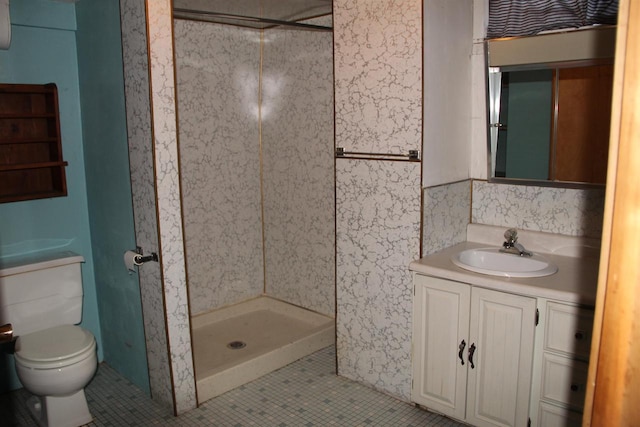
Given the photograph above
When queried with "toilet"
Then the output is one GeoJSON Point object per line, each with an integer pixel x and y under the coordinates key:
{"type": "Point", "coordinates": [41, 297]}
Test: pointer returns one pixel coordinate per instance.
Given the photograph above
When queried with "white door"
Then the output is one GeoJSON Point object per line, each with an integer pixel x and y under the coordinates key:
{"type": "Point", "coordinates": [499, 377]}
{"type": "Point", "coordinates": [440, 331]}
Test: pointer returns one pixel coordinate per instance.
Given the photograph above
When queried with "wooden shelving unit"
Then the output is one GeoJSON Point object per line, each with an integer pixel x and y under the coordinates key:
{"type": "Point", "coordinates": [31, 163]}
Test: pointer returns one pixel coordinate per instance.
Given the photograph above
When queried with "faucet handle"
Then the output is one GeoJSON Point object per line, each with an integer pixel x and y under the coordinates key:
{"type": "Point", "coordinates": [511, 235]}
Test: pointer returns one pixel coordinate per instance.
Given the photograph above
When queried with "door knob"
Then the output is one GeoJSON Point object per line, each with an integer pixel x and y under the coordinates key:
{"type": "Point", "coordinates": [6, 333]}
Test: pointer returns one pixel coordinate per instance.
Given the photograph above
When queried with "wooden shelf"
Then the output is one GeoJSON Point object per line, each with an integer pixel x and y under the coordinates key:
{"type": "Point", "coordinates": [31, 163]}
{"type": "Point", "coordinates": [26, 166]}
{"type": "Point", "coordinates": [29, 140]}
{"type": "Point", "coordinates": [27, 115]}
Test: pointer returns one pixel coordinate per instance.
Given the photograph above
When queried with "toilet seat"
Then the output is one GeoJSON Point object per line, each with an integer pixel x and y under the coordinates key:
{"type": "Point", "coordinates": [55, 347]}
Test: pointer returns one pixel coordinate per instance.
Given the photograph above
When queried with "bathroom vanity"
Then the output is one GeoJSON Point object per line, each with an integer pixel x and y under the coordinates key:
{"type": "Point", "coordinates": [505, 351]}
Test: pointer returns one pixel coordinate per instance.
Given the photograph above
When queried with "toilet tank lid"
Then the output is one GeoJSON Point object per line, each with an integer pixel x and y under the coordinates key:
{"type": "Point", "coordinates": [37, 261]}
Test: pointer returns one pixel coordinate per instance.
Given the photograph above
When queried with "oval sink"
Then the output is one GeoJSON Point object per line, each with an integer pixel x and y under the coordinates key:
{"type": "Point", "coordinates": [495, 263]}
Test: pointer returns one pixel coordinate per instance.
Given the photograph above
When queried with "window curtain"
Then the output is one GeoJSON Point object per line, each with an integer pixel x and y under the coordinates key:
{"type": "Point", "coordinates": [509, 18]}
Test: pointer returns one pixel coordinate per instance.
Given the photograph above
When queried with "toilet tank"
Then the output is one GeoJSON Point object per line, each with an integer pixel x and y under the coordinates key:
{"type": "Point", "coordinates": [41, 291]}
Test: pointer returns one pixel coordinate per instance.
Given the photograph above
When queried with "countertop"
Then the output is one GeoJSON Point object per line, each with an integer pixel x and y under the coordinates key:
{"type": "Point", "coordinates": [575, 281]}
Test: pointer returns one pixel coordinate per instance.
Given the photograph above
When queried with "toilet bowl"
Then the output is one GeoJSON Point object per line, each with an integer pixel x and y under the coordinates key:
{"type": "Point", "coordinates": [56, 364]}
{"type": "Point", "coordinates": [41, 303]}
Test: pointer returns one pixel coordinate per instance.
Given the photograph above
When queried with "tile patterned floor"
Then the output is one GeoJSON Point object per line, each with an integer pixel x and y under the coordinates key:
{"type": "Point", "coordinates": [306, 393]}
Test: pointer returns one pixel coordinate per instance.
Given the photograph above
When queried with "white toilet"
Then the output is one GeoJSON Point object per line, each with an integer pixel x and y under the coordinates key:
{"type": "Point", "coordinates": [41, 297]}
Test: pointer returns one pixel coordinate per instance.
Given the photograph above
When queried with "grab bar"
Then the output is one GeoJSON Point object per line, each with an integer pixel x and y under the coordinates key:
{"type": "Point", "coordinates": [412, 156]}
{"type": "Point", "coordinates": [223, 18]}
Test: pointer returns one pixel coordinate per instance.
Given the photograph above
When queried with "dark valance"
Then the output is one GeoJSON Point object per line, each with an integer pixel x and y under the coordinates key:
{"type": "Point", "coordinates": [509, 18]}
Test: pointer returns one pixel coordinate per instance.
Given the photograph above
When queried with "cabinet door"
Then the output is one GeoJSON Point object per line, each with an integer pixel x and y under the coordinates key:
{"type": "Point", "coordinates": [440, 327]}
{"type": "Point", "coordinates": [499, 384]}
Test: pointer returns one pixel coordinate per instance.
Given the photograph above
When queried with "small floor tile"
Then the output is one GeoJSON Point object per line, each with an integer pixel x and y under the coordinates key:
{"type": "Point", "coordinates": [304, 393]}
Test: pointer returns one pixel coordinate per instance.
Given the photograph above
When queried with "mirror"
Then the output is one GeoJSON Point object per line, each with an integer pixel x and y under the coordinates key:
{"type": "Point", "coordinates": [549, 105]}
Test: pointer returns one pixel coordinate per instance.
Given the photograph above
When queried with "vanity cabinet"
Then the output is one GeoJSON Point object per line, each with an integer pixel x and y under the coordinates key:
{"type": "Point", "coordinates": [561, 364]}
{"type": "Point", "coordinates": [472, 352]}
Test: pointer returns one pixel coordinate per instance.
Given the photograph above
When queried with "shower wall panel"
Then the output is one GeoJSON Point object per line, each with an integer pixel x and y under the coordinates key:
{"type": "Point", "coordinates": [169, 210]}
{"type": "Point", "coordinates": [378, 235]}
{"type": "Point", "coordinates": [136, 79]}
{"type": "Point", "coordinates": [218, 77]}
{"type": "Point", "coordinates": [378, 90]}
{"type": "Point", "coordinates": [298, 168]}
{"type": "Point", "coordinates": [378, 87]}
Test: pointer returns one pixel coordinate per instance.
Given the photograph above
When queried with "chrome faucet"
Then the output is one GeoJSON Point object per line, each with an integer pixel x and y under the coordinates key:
{"type": "Point", "coordinates": [511, 244]}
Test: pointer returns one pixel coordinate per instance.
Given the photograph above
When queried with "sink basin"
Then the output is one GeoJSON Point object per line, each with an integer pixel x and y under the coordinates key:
{"type": "Point", "coordinates": [495, 263]}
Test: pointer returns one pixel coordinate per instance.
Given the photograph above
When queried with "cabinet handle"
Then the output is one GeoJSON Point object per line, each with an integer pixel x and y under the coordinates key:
{"type": "Point", "coordinates": [579, 335]}
{"type": "Point", "coordinates": [461, 348]}
{"type": "Point", "coordinates": [472, 350]}
{"type": "Point", "coordinates": [575, 387]}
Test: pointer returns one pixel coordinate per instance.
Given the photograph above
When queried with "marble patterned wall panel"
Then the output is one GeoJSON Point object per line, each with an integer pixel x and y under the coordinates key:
{"type": "Point", "coordinates": [377, 236]}
{"type": "Point", "coordinates": [574, 212]}
{"type": "Point", "coordinates": [218, 74]}
{"type": "Point", "coordinates": [168, 199]}
{"type": "Point", "coordinates": [378, 75]}
{"type": "Point", "coordinates": [136, 79]}
{"type": "Point", "coordinates": [298, 155]}
{"type": "Point", "coordinates": [446, 213]}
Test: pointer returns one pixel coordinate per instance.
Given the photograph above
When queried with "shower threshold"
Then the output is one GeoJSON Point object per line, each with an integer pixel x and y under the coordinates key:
{"type": "Point", "coordinates": [240, 343]}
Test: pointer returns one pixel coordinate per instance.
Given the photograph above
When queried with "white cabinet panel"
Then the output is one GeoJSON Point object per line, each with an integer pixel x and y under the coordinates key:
{"type": "Point", "coordinates": [561, 364]}
{"type": "Point", "coordinates": [473, 352]}
{"type": "Point", "coordinates": [564, 380]}
{"type": "Point", "coordinates": [568, 329]}
{"type": "Point", "coordinates": [439, 374]}
{"type": "Point", "coordinates": [502, 327]}
{"type": "Point", "coordinates": [554, 416]}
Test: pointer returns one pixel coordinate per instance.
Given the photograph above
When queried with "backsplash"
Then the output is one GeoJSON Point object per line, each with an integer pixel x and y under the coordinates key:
{"type": "Point", "coordinates": [448, 208]}
{"type": "Point", "coordinates": [446, 214]}
{"type": "Point", "coordinates": [573, 212]}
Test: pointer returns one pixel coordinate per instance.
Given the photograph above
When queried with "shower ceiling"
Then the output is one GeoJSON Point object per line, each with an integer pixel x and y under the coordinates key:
{"type": "Point", "coordinates": [254, 13]}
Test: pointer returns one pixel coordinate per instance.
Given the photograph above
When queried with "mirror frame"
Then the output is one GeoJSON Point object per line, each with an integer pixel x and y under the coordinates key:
{"type": "Point", "coordinates": [593, 46]}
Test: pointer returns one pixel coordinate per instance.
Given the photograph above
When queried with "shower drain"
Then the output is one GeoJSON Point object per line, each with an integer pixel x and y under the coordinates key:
{"type": "Point", "coordinates": [237, 345]}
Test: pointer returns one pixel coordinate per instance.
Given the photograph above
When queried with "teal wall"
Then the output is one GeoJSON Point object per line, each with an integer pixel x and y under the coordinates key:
{"type": "Point", "coordinates": [95, 219]}
{"type": "Point", "coordinates": [529, 125]}
{"type": "Point", "coordinates": [106, 156]}
{"type": "Point", "coordinates": [43, 50]}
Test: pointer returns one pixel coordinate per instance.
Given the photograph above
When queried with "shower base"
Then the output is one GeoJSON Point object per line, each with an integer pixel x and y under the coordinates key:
{"type": "Point", "coordinates": [238, 344]}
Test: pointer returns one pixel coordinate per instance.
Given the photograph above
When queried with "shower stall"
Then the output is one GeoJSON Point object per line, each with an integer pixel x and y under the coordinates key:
{"type": "Point", "coordinates": [255, 138]}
